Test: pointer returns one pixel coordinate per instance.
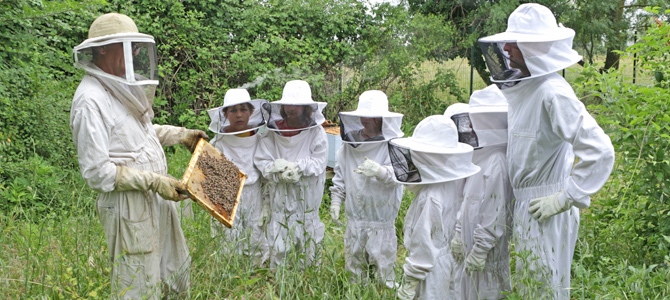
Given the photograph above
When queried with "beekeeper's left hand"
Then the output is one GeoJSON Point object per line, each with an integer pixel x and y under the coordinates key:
{"type": "Point", "coordinates": [544, 207]}
{"type": "Point", "coordinates": [290, 175]}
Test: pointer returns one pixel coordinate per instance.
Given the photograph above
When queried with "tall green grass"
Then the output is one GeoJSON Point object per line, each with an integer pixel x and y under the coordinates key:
{"type": "Point", "coordinates": [65, 257]}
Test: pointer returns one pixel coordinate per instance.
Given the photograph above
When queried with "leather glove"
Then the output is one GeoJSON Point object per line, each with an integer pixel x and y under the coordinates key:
{"type": "Point", "coordinates": [131, 179]}
{"type": "Point", "coordinates": [290, 175]}
{"type": "Point", "coordinates": [280, 165]}
{"type": "Point", "coordinates": [335, 211]}
{"type": "Point", "coordinates": [457, 249]}
{"type": "Point", "coordinates": [544, 207]}
{"type": "Point", "coordinates": [265, 215]}
{"type": "Point", "coordinates": [408, 288]}
{"type": "Point", "coordinates": [190, 138]}
{"type": "Point", "coordinates": [370, 168]}
{"type": "Point", "coordinates": [475, 261]}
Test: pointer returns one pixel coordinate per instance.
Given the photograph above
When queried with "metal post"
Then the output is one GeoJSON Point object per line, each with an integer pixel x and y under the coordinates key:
{"type": "Point", "coordinates": [634, 59]}
{"type": "Point", "coordinates": [472, 66]}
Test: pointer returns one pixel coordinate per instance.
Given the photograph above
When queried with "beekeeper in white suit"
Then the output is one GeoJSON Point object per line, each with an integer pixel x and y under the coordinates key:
{"type": "Point", "coordinates": [364, 182]}
{"type": "Point", "coordinates": [292, 156]}
{"type": "Point", "coordinates": [432, 164]}
{"type": "Point", "coordinates": [236, 126]}
{"type": "Point", "coordinates": [121, 157]}
{"type": "Point", "coordinates": [548, 127]}
{"type": "Point", "coordinates": [483, 227]}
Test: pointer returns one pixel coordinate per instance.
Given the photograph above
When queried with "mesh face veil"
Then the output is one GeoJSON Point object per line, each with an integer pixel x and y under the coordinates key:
{"type": "Point", "coordinates": [371, 122]}
{"type": "Point", "coordinates": [291, 117]}
{"type": "Point", "coordinates": [132, 56]}
{"type": "Point", "coordinates": [501, 66]}
{"type": "Point", "coordinates": [404, 169]}
{"type": "Point", "coordinates": [533, 45]}
{"type": "Point", "coordinates": [466, 134]}
{"type": "Point", "coordinates": [223, 116]}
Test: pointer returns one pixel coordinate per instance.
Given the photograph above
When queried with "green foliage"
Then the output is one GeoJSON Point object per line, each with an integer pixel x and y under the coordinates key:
{"type": "Point", "coordinates": [635, 214]}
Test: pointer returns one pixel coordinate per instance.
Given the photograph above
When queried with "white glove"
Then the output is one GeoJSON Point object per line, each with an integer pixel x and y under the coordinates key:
{"type": "Point", "coordinates": [191, 137]}
{"type": "Point", "coordinates": [280, 165]}
{"type": "Point", "coordinates": [265, 215]}
{"type": "Point", "coordinates": [475, 261]}
{"type": "Point", "coordinates": [290, 175]}
{"type": "Point", "coordinates": [131, 179]}
{"type": "Point", "coordinates": [457, 249]}
{"type": "Point", "coordinates": [335, 211]}
{"type": "Point", "coordinates": [370, 168]}
{"type": "Point", "coordinates": [544, 207]}
{"type": "Point", "coordinates": [408, 288]}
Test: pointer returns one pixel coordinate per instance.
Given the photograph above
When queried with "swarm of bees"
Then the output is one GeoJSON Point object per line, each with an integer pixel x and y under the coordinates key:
{"type": "Point", "coordinates": [221, 181]}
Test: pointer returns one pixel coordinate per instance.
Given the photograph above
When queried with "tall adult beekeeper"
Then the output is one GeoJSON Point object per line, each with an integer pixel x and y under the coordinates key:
{"type": "Point", "coordinates": [292, 157]}
{"type": "Point", "coordinates": [548, 127]}
{"type": "Point", "coordinates": [364, 182]}
{"type": "Point", "coordinates": [121, 157]}
{"type": "Point", "coordinates": [236, 125]}
{"type": "Point", "coordinates": [432, 164]}
{"type": "Point", "coordinates": [483, 227]}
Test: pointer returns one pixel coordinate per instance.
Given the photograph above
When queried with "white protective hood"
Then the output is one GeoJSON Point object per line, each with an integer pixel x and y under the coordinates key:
{"type": "Point", "coordinates": [234, 97]}
{"type": "Point", "coordinates": [432, 154]}
{"type": "Point", "coordinates": [371, 104]}
{"type": "Point", "coordinates": [488, 114]}
{"type": "Point", "coordinates": [296, 92]}
{"type": "Point", "coordinates": [546, 46]}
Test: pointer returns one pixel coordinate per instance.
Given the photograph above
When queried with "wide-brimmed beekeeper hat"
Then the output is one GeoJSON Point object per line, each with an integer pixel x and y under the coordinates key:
{"type": "Point", "coordinates": [371, 104]}
{"type": "Point", "coordinates": [296, 92]}
{"type": "Point", "coordinates": [233, 97]}
{"type": "Point", "coordinates": [432, 154]}
{"type": "Point", "coordinates": [546, 45]}
{"type": "Point", "coordinates": [139, 49]}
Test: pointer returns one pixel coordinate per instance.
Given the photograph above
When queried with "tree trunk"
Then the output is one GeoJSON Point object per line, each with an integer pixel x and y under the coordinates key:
{"type": "Point", "coordinates": [617, 41]}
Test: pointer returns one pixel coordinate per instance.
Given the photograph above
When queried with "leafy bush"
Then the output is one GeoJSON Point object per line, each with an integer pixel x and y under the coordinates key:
{"type": "Point", "coordinates": [633, 216]}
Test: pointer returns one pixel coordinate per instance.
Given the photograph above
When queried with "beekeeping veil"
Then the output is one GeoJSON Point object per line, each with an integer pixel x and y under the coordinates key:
{"type": "Point", "coordinates": [135, 88]}
{"type": "Point", "coordinates": [488, 114]}
{"type": "Point", "coordinates": [296, 92]}
{"type": "Point", "coordinates": [432, 154]}
{"type": "Point", "coordinates": [220, 123]}
{"type": "Point", "coordinates": [546, 46]}
{"type": "Point", "coordinates": [459, 113]}
{"type": "Point", "coordinates": [372, 111]}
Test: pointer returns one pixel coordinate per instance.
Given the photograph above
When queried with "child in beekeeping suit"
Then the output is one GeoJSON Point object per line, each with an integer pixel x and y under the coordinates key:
{"type": "Point", "coordinates": [432, 164]}
{"type": "Point", "coordinates": [364, 182]}
{"type": "Point", "coordinates": [483, 228]}
{"type": "Point", "coordinates": [236, 124]}
{"type": "Point", "coordinates": [292, 157]}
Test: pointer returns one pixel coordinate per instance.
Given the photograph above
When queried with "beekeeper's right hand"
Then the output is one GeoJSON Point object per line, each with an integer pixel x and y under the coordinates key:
{"type": "Point", "coordinates": [280, 165]}
{"type": "Point", "coordinates": [131, 179]}
{"type": "Point", "coordinates": [457, 249]}
{"type": "Point", "coordinates": [265, 215]}
{"type": "Point", "coordinates": [408, 288]}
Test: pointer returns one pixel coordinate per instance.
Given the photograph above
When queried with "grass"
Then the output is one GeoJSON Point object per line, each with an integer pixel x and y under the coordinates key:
{"type": "Point", "coordinates": [65, 257]}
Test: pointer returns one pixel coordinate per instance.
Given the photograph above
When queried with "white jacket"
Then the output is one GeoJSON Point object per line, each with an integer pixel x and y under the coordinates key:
{"type": "Point", "coordinates": [429, 227]}
{"type": "Point", "coordinates": [295, 207]}
{"type": "Point", "coordinates": [105, 135]}
{"type": "Point", "coordinates": [245, 234]}
{"type": "Point", "coordinates": [548, 127]}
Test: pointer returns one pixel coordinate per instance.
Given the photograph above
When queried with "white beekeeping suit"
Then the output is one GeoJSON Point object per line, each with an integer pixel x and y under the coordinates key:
{"type": "Point", "coordinates": [364, 182]}
{"type": "Point", "coordinates": [483, 227]}
{"type": "Point", "coordinates": [121, 156]}
{"type": "Point", "coordinates": [238, 143]}
{"type": "Point", "coordinates": [431, 163]}
{"type": "Point", "coordinates": [548, 127]}
{"type": "Point", "coordinates": [292, 157]}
